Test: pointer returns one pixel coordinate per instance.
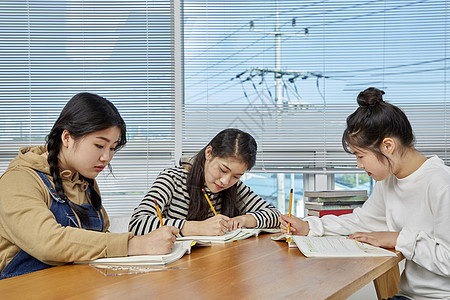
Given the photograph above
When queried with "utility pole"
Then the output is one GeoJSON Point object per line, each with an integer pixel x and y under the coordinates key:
{"type": "Point", "coordinates": [278, 71]}
{"type": "Point", "coordinates": [278, 79]}
{"type": "Point", "coordinates": [279, 84]}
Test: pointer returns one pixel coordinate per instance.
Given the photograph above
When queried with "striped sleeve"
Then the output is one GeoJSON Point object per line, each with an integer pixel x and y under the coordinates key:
{"type": "Point", "coordinates": [145, 217]}
{"type": "Point", "coordinates": [250, 203]}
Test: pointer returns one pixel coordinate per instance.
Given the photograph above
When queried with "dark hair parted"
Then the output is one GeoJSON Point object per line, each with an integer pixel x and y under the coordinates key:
{"type": "Point", "coordinates": [229, 143]}
{"type": "Point", "coordinates": [83, 114]}
{"type": "Point", "coordinates": [373, 121]}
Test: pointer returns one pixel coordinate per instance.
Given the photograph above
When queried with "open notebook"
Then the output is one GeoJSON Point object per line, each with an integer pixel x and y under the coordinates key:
{"type": "Point", "coordinates": [249, 232]}
{"type": "Point", "coordinates": [231, 236]}
{"type": "Point", "coordinates": [337, 246]}
{"type": "Point", "coordinates": [180, 248]}
{"type": "Point", "coordinates": [227, 237]}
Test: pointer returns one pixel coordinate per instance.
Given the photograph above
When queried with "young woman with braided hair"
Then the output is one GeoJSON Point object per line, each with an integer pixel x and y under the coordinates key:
{"type": "Point", "coordinates": [50, 207]}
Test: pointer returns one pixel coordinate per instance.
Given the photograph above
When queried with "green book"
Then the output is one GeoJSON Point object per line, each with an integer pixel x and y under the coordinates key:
{"type": "Point", "coordinates": [335, 193]}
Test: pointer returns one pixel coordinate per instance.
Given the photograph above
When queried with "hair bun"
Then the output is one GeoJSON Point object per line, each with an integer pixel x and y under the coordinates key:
{"type": "Point", "coordinates": [370, 97]}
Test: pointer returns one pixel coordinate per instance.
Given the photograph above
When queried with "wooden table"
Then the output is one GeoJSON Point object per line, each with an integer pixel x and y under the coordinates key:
{"type": "Point", "coordinates": [255, 268]}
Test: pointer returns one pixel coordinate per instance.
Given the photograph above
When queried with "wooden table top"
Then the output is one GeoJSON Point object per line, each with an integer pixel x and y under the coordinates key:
{"type": "Point", "coordinates": [255, 268]}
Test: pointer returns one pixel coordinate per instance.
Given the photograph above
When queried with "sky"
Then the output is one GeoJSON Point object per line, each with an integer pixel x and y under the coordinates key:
{"type": "Point", "coordinates": [398, 46]}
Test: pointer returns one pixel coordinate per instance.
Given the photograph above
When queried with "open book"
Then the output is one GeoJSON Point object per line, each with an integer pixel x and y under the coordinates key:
{"type": "Point", "coordinates": [337, 246]}
{"type": "Point", "coordinates": [180, 248]}
{"type": "Point", "coordinates": [231, 236]}
{"type": "Point", "coordinates": [249, 232]}
{"type": "Point", "coordinates": [227, 237]}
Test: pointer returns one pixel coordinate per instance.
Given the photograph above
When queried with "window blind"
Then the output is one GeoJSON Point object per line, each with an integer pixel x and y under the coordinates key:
{"type": "Point", "coordinates": [121, 50]}
{"type": "Point", "coordinates": [286, 71]}
{"type": "Point", "coordinates": [289, 72]}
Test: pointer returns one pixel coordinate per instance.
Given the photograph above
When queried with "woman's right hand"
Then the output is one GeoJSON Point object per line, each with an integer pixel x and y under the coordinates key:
{"type": "Point", "coordinates": [216, 225]}
{"type": "Point", "coordinates": [298, 226]}
{"type": "Point", "coordinates": [159, 241]}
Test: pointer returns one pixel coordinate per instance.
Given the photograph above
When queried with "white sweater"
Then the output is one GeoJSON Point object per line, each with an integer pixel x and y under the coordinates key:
{"type": "Point", "coordinates": [418, 207]}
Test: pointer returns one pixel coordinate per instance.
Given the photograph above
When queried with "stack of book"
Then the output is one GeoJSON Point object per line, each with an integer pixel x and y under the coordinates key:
{"type": "Point", "coordinates": [336, 202]}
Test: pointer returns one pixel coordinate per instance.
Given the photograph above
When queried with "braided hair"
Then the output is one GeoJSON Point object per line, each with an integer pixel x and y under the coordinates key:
{"type": "Point", "coordinates": [83, 114]}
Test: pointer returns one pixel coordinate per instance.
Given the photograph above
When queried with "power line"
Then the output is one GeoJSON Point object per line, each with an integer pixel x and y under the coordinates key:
{"type": "Point", "coordinates": [329, 73]}
{"type": "Point", "coordinates": [359, 16]}
{"type": "Point", "coordinates": [309, 27]}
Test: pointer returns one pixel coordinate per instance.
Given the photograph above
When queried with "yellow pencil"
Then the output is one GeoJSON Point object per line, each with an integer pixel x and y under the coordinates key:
{"type": "Point", "coordinates": [290, 209]}
{"type": "Point", "coordinates": [159, 213]}
{"type": "Point", "coordinates": [210, 204]}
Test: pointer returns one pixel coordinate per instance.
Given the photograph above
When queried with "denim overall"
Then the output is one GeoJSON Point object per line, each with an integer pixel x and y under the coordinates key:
{"type": "Point", "coordinates": [22, 262]}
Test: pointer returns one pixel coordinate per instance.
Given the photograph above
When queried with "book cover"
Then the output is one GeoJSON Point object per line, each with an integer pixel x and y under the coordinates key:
{"type": "Point", "coordinates": [332, 205]}
{"type": "Point", "coordinates": [338, 199]}
{"type": "Point", "coordinates": [335, 193]}
{"type": "Point", "coordinates": [336, 212]}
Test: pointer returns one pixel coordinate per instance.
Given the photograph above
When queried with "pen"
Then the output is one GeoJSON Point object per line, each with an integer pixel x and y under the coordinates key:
{"type": "Point", "coordinates": [159, 213]}
{"type": "Point", "coordinates": [212, 207]}
{"type": "Point", "coordinates": [290, 209]}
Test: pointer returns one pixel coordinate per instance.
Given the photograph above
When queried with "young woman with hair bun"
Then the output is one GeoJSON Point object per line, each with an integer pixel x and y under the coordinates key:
{"type": "Point", "coordinates": [409, 208]}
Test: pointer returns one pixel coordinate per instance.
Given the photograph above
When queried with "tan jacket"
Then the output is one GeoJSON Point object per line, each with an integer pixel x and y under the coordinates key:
{"type": "Point", "coordinates": [27, 223]}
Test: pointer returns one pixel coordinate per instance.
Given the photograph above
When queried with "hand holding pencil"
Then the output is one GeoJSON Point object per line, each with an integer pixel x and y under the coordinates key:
{"type": "Point", "coordinates": [158, 241]}
{"type": "Point", "coordinates": [219, 223]}
{"type": "Point", "coordinates": [296, 225]}
{"type": "Point", "coordinates": [216, 225]}
{"type": "Point", "coordinates": [291, 225]}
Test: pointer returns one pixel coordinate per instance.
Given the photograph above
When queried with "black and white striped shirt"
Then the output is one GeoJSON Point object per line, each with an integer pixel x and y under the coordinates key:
{"type": "Point", "coordinates": [170, 192]}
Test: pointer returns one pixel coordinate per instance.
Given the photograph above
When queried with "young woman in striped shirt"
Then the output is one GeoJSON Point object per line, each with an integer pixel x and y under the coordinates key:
{"type": "Point", "coordinates": [216, 169]}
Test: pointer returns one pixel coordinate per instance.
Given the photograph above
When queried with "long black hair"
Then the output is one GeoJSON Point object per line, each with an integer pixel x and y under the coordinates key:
{"type": "Point", "coordinates": [373, 121]}
{"type": "Point", "coordinates": [229, 143]}
{"type": "Point", "coordinates": [83, 114]}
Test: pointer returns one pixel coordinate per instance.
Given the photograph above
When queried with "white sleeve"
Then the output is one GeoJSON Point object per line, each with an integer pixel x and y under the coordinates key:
{"type": "Point", "coordinates": [430, 250]}
{"type": "Point", "coordinates": [370, 217]}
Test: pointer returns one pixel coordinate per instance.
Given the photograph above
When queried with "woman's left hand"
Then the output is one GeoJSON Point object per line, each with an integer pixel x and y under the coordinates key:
{"type": "Point", "coordinates": [241, 221]}
{"type": "Point", "coordinates": [385, 239]}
